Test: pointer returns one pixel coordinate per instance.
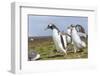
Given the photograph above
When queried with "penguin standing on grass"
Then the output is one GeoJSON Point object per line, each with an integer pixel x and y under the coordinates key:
{"type": "Point", "coordinates": [58, 38]}
{"type": "Point", "coordinates": [77, 41]}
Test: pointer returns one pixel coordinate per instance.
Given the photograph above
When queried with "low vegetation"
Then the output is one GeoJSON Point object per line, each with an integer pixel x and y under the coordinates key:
{"type": "Point", "coordinates": [46, 48]}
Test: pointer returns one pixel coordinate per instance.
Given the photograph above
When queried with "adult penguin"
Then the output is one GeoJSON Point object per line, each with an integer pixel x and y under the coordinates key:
{"type": "Point", "coordinates": [58, 38]}
{"type": "Point", "coordinates": [78, 43]}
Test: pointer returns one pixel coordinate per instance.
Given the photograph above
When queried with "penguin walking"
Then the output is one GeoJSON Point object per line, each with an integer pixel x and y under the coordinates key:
{"type": "Point", "coordinates": [58, 38]}
{"type": "Point", "coordinates": [78, 43]}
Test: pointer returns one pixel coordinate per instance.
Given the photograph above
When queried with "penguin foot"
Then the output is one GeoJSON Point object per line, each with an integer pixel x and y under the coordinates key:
{"type": "Point", "coordinates": [65, 55]}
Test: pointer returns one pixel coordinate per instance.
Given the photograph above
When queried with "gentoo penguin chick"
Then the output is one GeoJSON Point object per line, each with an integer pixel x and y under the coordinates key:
{"type": "Point", "coordinates": [78, 43]}
{"type": "Point", "coordinates": [58, 38]}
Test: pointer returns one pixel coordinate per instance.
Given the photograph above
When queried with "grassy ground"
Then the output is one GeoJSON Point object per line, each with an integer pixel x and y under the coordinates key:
{"type": "Point", "coordinates": [45, 47]}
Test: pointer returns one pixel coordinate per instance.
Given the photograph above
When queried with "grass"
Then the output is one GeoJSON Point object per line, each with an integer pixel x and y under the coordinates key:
{"type": "Point", "coordinates": [45, 47]}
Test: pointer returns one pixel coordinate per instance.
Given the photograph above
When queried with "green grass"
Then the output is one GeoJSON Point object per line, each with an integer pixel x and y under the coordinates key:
{"type": "Point", "coordinates": [46, 47]}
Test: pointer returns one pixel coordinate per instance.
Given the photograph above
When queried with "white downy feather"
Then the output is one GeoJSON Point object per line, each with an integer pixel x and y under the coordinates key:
{"type": "Point", "coordinates": [77, 40]}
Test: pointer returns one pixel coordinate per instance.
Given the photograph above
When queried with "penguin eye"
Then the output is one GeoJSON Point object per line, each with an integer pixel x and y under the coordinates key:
{"type": "Point", "coordinates": [49, 26]}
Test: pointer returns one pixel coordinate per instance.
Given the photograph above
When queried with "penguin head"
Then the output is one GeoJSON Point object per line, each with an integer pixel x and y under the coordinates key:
{"type": "Point", "coordinates": [72, 27]}
{"type": "Point", "coordinates": [79, 28]}
{"type": "Point", "coordinates": [52, 26]}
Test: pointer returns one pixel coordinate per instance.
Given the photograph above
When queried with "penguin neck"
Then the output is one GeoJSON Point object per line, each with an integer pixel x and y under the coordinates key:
{"type": "Point", "coordinates": [74, 31]}
{"type": "Point", "coordinates": [55, 31]}
{"type": "Point", "coordinates": [69, 31]}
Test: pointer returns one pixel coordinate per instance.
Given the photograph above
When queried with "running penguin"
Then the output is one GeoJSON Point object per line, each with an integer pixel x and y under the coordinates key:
{"type": "Point", "coordinates": [58, 38]}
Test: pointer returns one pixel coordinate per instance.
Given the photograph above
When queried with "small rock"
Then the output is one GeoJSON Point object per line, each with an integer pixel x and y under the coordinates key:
{"type": "Point", "coordinates": [32, 55]}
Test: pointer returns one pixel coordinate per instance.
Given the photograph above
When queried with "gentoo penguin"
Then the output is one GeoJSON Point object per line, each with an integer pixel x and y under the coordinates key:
{"type": "Point", "coordinates": [78, 43]}
{"type": "Point", "coordinates": [58, 38]}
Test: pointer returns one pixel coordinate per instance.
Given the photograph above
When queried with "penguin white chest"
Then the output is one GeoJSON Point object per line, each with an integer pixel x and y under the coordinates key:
{"type": "Point", "coordinates": [56, 35]}
{"type": "Point", "coordinates": [57, 40]}
{"type": "Point", "coordinates": [75, 37]}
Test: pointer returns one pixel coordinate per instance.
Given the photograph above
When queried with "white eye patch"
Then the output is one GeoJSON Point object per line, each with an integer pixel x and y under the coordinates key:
{"type": "Point", "coordinates": [50, 24]}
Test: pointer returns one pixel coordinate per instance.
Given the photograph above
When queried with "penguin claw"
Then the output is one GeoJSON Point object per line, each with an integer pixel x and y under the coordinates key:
{"type": "Point", "coordinates": [65, 55]}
